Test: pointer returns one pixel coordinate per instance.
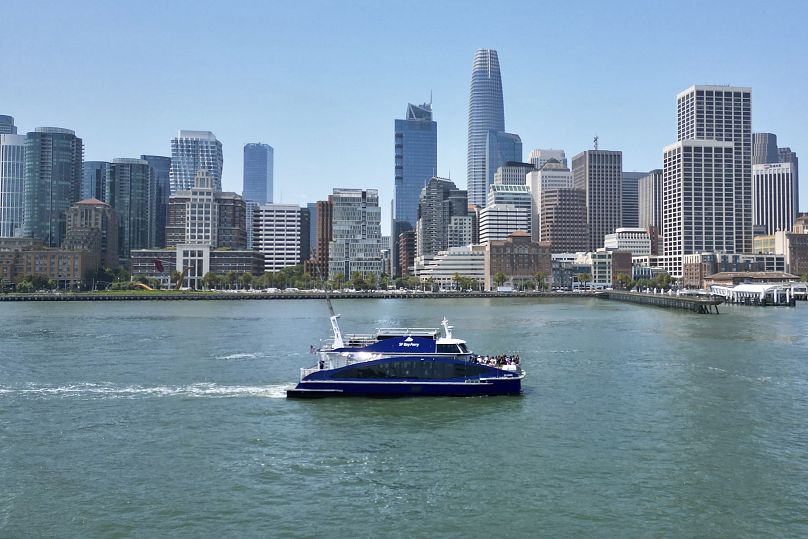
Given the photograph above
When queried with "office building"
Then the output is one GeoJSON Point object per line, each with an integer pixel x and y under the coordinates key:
{"type": "Point", "coordinates": [7, 126]}
{"type": "Point", "coordinates": [94, 179]}
{"type": "Point", "coordinates": [356, 233]}
{"type": "Point", "coordinates": [552, 175]}
{"type": "Point", "coordinates": [501, 149]}
{"type": "Point", "coordinates": [92, 226]}
{"type": "Point", "coordinates": [12, 183]}
{"type": "Point", "coordinates": [258, 173]}
{"type": "Point", "coordinates": [161, 172]}
{"type": "Point", "coordinates": [630, 203]}
{"type": "Point", "coordinates": [416, 159]}
{"type": "Point", "coordinates": [192, 151]}
{"type": "Point", "coordinates": [774, 196]}
{"type": "Point", "coordinates": [443, 268]}
{"type": "Point", "coordinates": [764, 148]}
{"type": "Point", "coordinates": [498, 221]}
{"type": "Point", "coordinates": [539, 157]}
{"type": "Point", "coordinates": [635, 240]}
{"type": "Point", "coordinates": [649, 198]}
{"type": "Point", "coordinates": [563, 219]}
{"type": "Point", "coordinates": [600, 174]}
{"type": "Point", "coordinates": [707, 175]}
{"type": "Point", "coordinates": [486, 113]}
{"type": "Point", "coordinates": [204, 216]}
{"type": "Point", "coordinates": [512, 173]}
{"type": "Point", "coordinates": [516, 195]}
{"type": "Point", "coordinates": [53, 158]}
{"type": "Point", "coordinates": [440, 200]}
{"type": "Point", "coordinates": [317, 265]}
{"type": "Point", "coordinates": [131, 191]}
{"type": "Point", "coordinates": [276, 234]}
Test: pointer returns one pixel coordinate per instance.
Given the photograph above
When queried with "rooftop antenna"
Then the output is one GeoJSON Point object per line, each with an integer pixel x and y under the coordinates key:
{"type": "Point", "coordinates": [596, 142]}
{"type": "Point", "coordinates": [430, 98]}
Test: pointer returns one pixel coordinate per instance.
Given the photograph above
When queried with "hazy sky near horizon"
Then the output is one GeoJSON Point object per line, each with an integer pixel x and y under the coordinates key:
{"type": "Point", "coordinates": [323, 81]}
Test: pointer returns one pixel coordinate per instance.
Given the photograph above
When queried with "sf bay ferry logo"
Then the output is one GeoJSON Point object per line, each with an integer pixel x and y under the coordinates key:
{"type": "Point", "coordinates": [408, 343]}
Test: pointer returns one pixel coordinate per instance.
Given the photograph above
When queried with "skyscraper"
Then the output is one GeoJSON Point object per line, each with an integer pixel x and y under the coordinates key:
{"type": "Point", "coordinates": [258, 172]}
{"type": "Point", "coordinates": [630, 209]}
{"type": "Point", "coordinates": [12, 184]}
{"type": "Point", "coordinates": [774, 196]}
{"type": "Point", "coordinates": [600, 174]}
{"type": "Point", "coordinates": [649, 201]}
{"type": "Point", "coordinates": [512, 173]}
{"type": "Point", "coordinates": [190, 152]}
{"type": "Point", "coordinates": [53, 158]}
{"type": "Point", "coordinates": [486, 113]}
{"type": "Point", "coordinates": [94, 179]}
{"type": "Point", "coordinates": [131, 192]}
{"type": "Point", "coordinates": [161, 171]}
{"type": "Point", "coordinates": [501, 148]}
{"type": "Point", "coordinates": [276, 234]}
{"type": "Point", "coordinates": [440, 200]}
{"type": "Point", "coordinates": [707, 175]}
{"type": "Point", "coordinates": [764, 148]}
{"type": "Point", "coordinates": [416, 161]}
{"type": "Point", "coordinates": [7, 126]}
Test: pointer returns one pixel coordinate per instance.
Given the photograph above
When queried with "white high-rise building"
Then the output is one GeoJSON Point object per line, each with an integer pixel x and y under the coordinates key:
{"type": "Point", "coordinates": [12, 186]}
{"type": "Point", "coordinates": [460, 231]}
{"type": "Point", "coordinates": [498, 221]}
{"type": "Point", "coordinates": [774, 196]}
{"type": "Point", "coordinates": [190, 152]}
{"type": "Point", "coordinates": [636, 240]}
{"type": "Point", "coordinates": [552, 175]}
{"type": "Point", "coordinates": [276, 234]}
{"type": "Point", "coordinates": [539, 157]}
{"type": "Point", "coordinates": [707, 175]}
{"type": "Point", "coordinates": [512, 173]}
{"type": "Point", "coordinates": [356, 233]}
{"type": "Point", "coordinates": [516, 195]}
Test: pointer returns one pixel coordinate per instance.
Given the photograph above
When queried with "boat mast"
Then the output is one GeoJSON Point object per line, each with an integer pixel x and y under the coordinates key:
{"type": "Point", "coordinates": [334, 324]}
{"type": "Point", "coordinates": [447, 328]}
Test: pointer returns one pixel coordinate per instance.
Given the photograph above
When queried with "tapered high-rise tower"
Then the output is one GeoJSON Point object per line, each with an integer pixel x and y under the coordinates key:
{"type": "Point", "coordinates": [486, 113]}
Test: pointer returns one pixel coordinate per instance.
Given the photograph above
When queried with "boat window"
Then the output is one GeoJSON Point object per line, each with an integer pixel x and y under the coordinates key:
{"type": "Point", "coordinates": [447, 349]}
{"type": "Point", "coordinates": [463, 348]}
{"type": "Point", "coordinates": [419, 369]}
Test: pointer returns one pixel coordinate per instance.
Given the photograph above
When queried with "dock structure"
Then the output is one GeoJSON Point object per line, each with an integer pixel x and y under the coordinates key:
{"type": "Point", "coordinates": [696, 304]}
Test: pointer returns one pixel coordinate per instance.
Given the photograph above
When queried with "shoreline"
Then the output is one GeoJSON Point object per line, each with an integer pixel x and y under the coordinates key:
{"type": "Point", "coordinates": [219, 296]}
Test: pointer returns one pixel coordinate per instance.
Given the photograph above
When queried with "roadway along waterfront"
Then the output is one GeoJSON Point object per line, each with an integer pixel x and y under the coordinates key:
{"type": "Point", "coordinates": [146, 419]}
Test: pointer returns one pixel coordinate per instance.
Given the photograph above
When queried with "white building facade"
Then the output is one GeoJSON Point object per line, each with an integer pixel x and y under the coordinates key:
{"type": "Point", "coordinates": [635, 240]}
{"type": "Point", "coordinates": [190, 152]}
{"type": "Point", "coordinates": [552, 175]}
{"type": "Point", "coordinates": [775, 196]}
{"type": "Point", "coordinates": [498, 221]}
{"type": "Point", "coordinates": [276, 234]}
{"type": "Point", "coordinates": [467, 261]}
{"type": "Point", "coordinates": [12, 186]}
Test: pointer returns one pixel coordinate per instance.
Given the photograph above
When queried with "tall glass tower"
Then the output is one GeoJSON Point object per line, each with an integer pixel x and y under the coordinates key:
{"type": "Point", "coordinates": [258, 175]}
{"type": "Point", "coordinates": [53, 158]}
{"type": "Point", "coordinates": [192, 151]}
{"type": "Point", "coordinates": [7, 126]}
{"type": "Point", "coordinates": [12, 176]}
{"type": "Point", "coordinates": [131, 191]}
{"type": "Point", "coordinates": [486, 113]}
{"type": "Point", "coordinates": [161, 170]}
{"type": "Point", "coordinates": [416, 146]}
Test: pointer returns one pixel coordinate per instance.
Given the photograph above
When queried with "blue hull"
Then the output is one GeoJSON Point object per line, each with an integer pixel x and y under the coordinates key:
{"type": "Point", "coordinates": [404, 388]}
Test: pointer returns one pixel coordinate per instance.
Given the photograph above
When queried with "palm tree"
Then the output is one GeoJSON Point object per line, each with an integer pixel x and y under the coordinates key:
{"type": "Point", "coordinates": [499, 279]}
{"type": "Point", "coordinates": [541, 280]}
{"type": "Point", "coordinates": [583, 278]}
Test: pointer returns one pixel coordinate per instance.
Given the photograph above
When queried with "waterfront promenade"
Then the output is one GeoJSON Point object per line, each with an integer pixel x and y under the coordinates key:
{"type": "Point", "coordinates": [257, 295]}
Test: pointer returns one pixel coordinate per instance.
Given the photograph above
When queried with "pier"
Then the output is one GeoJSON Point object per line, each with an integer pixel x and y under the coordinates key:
{"type": "Point", "coordinates": [696, 304]}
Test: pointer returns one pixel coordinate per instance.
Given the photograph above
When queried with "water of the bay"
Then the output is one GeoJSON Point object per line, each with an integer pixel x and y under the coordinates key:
{"type": "Point", "coordinates": [151, 419]}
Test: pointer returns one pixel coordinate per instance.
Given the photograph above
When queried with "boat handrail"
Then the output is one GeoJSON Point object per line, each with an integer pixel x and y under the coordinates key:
{"type": "Point", "coordinates": [407, 331]}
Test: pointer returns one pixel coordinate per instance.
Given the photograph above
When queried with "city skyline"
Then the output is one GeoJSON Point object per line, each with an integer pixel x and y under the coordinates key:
{"type": "Point", "coordinates": [547, 107]}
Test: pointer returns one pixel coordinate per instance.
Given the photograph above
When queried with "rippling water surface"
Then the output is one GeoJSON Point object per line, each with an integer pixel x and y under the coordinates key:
{"type": "Point", "coordinates": [170, 419]}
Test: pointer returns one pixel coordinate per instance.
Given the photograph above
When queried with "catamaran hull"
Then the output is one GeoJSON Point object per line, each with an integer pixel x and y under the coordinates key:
{"type": "Point", "coordinates": [346, 388]}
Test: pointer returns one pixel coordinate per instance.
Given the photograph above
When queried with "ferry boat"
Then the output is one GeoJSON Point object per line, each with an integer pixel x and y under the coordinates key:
{"type": "Point", "coordinates": [405, 362]}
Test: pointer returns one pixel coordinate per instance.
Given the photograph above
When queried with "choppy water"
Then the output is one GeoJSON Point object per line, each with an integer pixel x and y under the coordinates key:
{"type": "Point", "coordinates": [169, 419]}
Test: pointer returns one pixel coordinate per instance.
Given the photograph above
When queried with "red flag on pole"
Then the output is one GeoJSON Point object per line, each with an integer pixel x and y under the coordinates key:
{"type": "Point", "coordinates": [158, 264]}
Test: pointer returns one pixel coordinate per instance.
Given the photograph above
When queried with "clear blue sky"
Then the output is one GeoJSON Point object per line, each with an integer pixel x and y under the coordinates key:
{"type": "Point", "coordinates": [322, 82]}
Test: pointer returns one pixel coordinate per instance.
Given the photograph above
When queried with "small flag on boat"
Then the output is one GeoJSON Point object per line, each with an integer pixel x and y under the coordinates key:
{"type": "Point", "coordinates": [158, 264]}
